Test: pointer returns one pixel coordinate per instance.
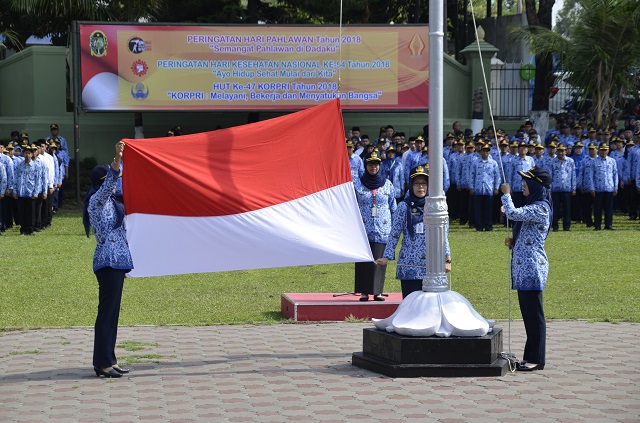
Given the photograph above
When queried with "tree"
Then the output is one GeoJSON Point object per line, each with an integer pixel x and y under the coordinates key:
{"type": "Point", "coordinates": [53, 17]}
{"type": "Point", "coordinates": [601, 56]}
{"type": "Point", "coordinates": [540, 17]}
{"type": "Point", "coordinates": [567, 17]}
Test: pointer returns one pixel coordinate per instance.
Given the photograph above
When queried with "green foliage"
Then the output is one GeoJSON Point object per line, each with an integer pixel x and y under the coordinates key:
{"type": "Point", "coordinates": [600, 54]}
{"type": "Point", "coordinates": [593, 276]}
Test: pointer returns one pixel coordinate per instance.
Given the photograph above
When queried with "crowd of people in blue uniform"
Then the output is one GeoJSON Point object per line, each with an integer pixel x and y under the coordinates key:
{"type": "Point", "coordinates": [594, 171]}
{"type": "Point", "coordinates": [32, 175]}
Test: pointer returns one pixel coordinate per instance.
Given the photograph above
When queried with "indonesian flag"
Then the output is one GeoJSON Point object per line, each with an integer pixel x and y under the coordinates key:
{"type": "Point", "coordinates": [269, 194]}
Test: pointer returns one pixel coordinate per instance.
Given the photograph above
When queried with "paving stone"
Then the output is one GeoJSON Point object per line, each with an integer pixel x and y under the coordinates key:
{"type": "Point", "coordinates": [303, 372]}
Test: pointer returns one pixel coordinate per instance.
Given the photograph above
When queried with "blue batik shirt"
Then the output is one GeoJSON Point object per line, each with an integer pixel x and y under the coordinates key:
{"type": "Point", "coordinates": [603, 175]}
{"type": "Point", "coordinates": [3, 179]}
{"type": "Point", "coordinates": [112, 249]}
{"type": "Point", "coordinates": [485, 177]}
{"type": "Point", "coordinates": [563, 175]}
{"type": "Point", "coordinates": [529, 262]}
{"type": "Point", "coordinates": [383, 200]}
{"type": "Point", "coordinates": [28, 180]}
{"type": "Point", "coordinates": [8, 167]}
{"type": "Point", "coordinates": [518, 164]}
{"type": "Point", "coordinates": [356, 165]}
{"type": "Point", "coordinates": [412, 258]}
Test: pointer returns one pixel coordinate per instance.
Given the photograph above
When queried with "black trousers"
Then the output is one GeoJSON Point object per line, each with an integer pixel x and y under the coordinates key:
{"type": "Point", "coordinates": [61, 194]}
{"type": "Point", "coordinates": [464, 205]}
{"type": "Point", "coordinates": [409, 286]}
{"type": "Point", "coordinates": [561, 205]}
{"type": "Point", "coordinates": [603, 200]}
{"type": "Point", "coordinates": [534, 325]}
{"type": "Point", "coordinates": [54, 200]}
{"type": "Point", "coordinates": [576, 207]}
{"type": "Point", "coordinates": [39, 201]}
{"type": "Point", "coordinates": [47, 211]}
{"type": "Point", "coordinates": [497, 204]}
{"type": "Point", "coordinates": [110, 282]}
{"type": "Point", "coordinates": [369, 277]}
{"type": "Point", "coordinates": [452, 202]}
{"type": "Point", "coordinates": [483, 209]}
{"type": "Point", "coordinates": [27, 215]}
{"type": "Point", "coordinates": [472, 210]}
{"type": "Point", "coordinates": [7, 211]}
{"type": "Point", "coordinates": [632, 200]}
{"type": "Point", "coordinates": [587, 209]}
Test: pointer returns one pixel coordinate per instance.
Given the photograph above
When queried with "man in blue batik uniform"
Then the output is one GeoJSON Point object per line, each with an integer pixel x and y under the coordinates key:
{"type": "Point", "coordinates": [563, 186]}
{"type": "Point", "coordinates": [28, 184]}
{"type": "Point", "coordinates": [602, 183]}
{"type": "Point", "coordinates": [521, 163]}
{"type": "Point", "coordinates": [484, 183]}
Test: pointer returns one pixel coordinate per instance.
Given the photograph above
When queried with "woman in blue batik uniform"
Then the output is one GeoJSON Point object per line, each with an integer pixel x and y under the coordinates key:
{"type": "Point", "coordinates": [409, 221]}
{"type": "Point", "coordinates": [529, 263]}
{"type": "Point", "coordinates": [111, 261]}
{"type": "Point", "coordinates": [377, 204]}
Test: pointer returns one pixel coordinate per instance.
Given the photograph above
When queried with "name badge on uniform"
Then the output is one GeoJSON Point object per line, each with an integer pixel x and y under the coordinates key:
{"type": "Point", "coordinates": [374, 211]}
{"type": "Point", "coordinates": [420, 228]}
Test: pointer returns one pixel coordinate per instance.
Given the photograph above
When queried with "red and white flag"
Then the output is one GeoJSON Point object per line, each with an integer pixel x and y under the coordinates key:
{"type": "Point", "coordinates": [269, 194]}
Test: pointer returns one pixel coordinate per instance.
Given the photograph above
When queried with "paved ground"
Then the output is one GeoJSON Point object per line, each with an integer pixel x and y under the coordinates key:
{"type": "Point", "coordinates": [302, 372]}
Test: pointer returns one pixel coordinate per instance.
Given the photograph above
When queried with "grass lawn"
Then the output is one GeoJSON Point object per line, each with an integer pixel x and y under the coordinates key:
{"type": "Point", "coordinates": [47, 281]}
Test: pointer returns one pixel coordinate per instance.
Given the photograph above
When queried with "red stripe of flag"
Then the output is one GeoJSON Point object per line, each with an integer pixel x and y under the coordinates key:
{"type": "Point", "coordinates": [239, 169]}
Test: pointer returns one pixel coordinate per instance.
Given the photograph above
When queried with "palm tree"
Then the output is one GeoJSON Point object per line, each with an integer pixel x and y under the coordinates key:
{"type": "Point", "coordinates": [600, 54]}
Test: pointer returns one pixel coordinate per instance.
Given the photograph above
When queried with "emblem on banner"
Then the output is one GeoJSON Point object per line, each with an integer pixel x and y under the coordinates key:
{"type": "Point", "coordinates": [98, 44]}
{"type": "Point", "coordinates": [416, 46]}
{"type": "Point", "coordinates": [139, 67]}
{"type": "Point", "coordinates": [136, 45]}
{"type": "Point", "coordinates": [139, 91]}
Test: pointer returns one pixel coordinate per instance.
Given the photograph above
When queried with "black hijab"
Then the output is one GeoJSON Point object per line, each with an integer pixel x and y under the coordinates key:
{"type": "Point", "coordinates": [372, 181]}
{"type": "Point", "coordinates": [415, 209]}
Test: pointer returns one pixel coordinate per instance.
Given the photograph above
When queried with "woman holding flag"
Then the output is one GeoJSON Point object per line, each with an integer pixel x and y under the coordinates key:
{"type": "Point", "coordinates": [111, 260]}
{"type": "Point", "coordinates": [529, 262]}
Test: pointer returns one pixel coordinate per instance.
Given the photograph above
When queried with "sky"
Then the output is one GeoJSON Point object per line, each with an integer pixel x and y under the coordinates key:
{"type": "Point", "coordinates": [556, 8]}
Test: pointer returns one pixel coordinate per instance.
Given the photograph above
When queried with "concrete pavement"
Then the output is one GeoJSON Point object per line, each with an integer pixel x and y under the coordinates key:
{"type": "Point", "coordinates": [303, 372]}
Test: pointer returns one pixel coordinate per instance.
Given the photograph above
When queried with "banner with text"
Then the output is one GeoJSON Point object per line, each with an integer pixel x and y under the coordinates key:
{"type": "Point", "coordinates": [258, 67]}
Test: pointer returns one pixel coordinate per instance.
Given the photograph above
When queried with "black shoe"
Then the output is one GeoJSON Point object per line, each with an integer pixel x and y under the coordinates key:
{"type": "Point", "coordinates": [596, 229]}
{"type": "Point", "coordinates": [610, 228]}
{"type": "Point", "coordinates": [378, 298]}
{"type": "Point", "coordinates": [364, 297]}
{"type": "Point", "coordinates": [121, 370]}
{"type": "Point", "coordinates": [529, 367]}
{"type": "Point", "coordinates": [112, 373]}
{"type": "Point", "coordinates": [555, 229]}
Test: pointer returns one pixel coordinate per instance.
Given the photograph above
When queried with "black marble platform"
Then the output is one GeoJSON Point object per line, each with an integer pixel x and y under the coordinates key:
{"type": "Point", "coordinates": [412, 356]}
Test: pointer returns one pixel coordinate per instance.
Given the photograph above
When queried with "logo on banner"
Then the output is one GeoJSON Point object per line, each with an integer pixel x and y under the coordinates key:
{"type": "Point", "coordinates": [416, 46]}
{"type": "Point", "coordinates": [136, 45]}
{"type": "Point", "coordinates": [98, 44]}
{"type": "Point", "coordinates": [139, 91]}
{"type": "Point", "coordinates": [139, 67]}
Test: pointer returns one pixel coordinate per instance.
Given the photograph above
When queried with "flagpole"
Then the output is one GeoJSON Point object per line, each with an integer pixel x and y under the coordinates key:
{"type": "Point", "coordinates": [436, 214]}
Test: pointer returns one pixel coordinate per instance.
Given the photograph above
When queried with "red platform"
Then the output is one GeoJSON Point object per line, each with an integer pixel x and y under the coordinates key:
{"type": "Point", "coordinates": [318, 307]}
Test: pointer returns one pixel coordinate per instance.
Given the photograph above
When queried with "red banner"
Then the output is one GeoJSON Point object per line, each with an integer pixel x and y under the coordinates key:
{"type": "Point", "coordinates": [158, 67]}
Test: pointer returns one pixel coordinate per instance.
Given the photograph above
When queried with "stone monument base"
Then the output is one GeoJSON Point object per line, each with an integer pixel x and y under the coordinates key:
{"type": "Point", "coordinates": [411, 356]}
